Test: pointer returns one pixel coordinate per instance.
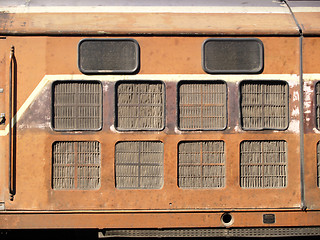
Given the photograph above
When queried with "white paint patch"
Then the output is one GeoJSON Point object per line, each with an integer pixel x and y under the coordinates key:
{"type": "Point", "coordinates": [176, 130]}
{"type": "Point", "coordinates": [237, 129]}
{"type": "Point", "coordinates": [307, 98]}
{"type": "Point", "coordinates": [294, 83]}
{"type": "Point", "coordinates": [145, 9]}
{"type": "Point", "coordinates": [105, 87]}
{"type": "Point", "coordinates": [316, 130]}
{"type": "Point", "coordinates": [112, 128]}
{"type": "Point", "coordinates": [294, 126]}
{"type": "Point", "coordinates": [163, 77]}
{"type": "Point", "coordinates": [296, 96]}
{"type": "Point", "coordinates": [295, 112]}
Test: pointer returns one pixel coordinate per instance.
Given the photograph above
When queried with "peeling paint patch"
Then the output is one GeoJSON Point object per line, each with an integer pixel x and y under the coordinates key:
{"type": "Point", "coordinates": [237, 129]}
{"type": "Point", "coordinates": [294, 126]}
{"type": "Point", "coordinates": [176, 130]}
{"type": "Point", "coordinates": [295, 112]}
{"type": "Point", "coordinates": [112, 128]}
{"type": "Point", "coordinates": [296, 96]}
{"type": "Point", "coordinates": [105, 87]}
{"type": "Point", "coordinates": [316, 130]}
{"type": "Point", "coordinates": [307, 98]}
{"type": "Point", "coordinates": [293, 84]}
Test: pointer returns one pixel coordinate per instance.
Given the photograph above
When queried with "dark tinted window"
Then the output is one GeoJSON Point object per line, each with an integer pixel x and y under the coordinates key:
{"type": "Point", "coordinates": [108, 56]}
{"type": "Point", "coordinates": [232, 55]}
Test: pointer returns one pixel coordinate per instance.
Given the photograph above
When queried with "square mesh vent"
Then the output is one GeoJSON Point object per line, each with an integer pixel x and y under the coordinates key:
{"type": "Point", "coordinates": [139, 165]}
{"type": "Point", "coordinates": [203, 106]}
{"type": "Point", "coordinates": [264, 105]}
{"type": "Point", "coordinates": [140, 106]}
{"type": "Point", "coordinates": [77, 106]}
{"type": "Point", "coordinates": [318, 105]}
{"type": "Point", "coordinates": [263, 164]}
{"type": "Point", "coordinates": [201, 164]}
{"type": "Point", "coordinates": [76, 165]}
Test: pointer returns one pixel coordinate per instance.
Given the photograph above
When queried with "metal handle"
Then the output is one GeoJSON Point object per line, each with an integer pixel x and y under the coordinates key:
{"type": "Point", "coordinates": [11, 95]}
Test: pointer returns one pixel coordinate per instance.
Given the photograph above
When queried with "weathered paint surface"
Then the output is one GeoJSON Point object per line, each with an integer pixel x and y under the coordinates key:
{"type": "Point", "coordinates": [169, 59]}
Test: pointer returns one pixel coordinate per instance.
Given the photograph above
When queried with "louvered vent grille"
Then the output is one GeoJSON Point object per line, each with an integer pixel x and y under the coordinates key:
{"type": "Point", "coordinates": [139, 165]}
{"type": "Point", "coordinates": [77, 106]}
{"type": "Point", "coordinates": [318, 105]}
{"type": "Point", "coordinates": [318, 163]}
{"type": "Point", "coordinates": [264, 105]}
{"type": "Point", "coordinates": [202, 106]}
{"type": "Point", "coordinates": [201, 164]}
{"type": "Point", "coordinates": [140, 106]}
{"type": "Point", "coordinates": [263, 164]}
{"type": "Point", "coordinates": [76, 165]}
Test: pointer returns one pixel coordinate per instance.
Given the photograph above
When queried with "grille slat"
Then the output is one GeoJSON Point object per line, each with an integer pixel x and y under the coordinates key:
{"type": "Point", "coordinates": [76, 165]}
{"type": "Point", "coordinates": [140, 106]}
{"type": "Point", "coordinates": [77, 106]}
{"type": "Point", "coordinates": [263, 164]}
{"type": "Point", "coordinates": [264, 105]}
{"type": "Point", "coordinates": [201, 164]}
{"type": "Point", "coordinates": [202, 106]}
{"type": "Point", "coordinates": [139, 165]}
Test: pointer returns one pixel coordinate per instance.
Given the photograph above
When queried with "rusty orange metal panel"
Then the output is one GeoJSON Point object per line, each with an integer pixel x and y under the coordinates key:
{"type": "Point", "coordinates": [170, 220]}
{"type": "Point", "coordinates": [309, 22]}
{"type": "Point", "coordinates": [311, 66]}
{"type": "Point", "coordinates": [148, 23]}
{"type": "Point", "coordinates": [159, 56]}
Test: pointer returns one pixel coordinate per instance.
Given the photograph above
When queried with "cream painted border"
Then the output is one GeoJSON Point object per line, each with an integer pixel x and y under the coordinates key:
{"type": "Point", "coordinates": [311, 77]}
{"type": "Point", "coordinates": [145, 9]}
{"type": "Point", "coordinates": [292, 79]}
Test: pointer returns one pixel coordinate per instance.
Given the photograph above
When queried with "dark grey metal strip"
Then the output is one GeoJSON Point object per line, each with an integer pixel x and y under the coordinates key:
{"type": "Point", "coordinates": [212, 232]}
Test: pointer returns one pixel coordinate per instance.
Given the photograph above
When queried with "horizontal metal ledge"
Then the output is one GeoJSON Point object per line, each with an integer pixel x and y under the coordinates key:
{"type": "Point", "coordinates": [212, 232]}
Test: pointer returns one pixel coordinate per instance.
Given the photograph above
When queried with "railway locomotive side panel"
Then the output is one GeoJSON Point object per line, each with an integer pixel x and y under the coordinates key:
{"type": "Point", "coordinates": [148, 121]}
{"type": "Point", "coordinates": [37, 133]}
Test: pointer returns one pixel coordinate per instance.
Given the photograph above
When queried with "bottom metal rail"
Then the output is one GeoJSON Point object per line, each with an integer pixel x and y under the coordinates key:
{"type": "Point", "coordinates": [212, 232]}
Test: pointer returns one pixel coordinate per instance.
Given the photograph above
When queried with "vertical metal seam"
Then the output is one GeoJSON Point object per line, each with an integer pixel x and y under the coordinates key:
{"type": "Point", "coordinates": [303, 203]}
{"type": "Point", "coordinates": [301, 106]}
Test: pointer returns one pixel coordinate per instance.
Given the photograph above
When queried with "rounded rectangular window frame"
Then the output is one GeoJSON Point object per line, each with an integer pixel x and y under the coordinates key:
{"type": "Point", "coordinates": [134, 70]}
{"type": "Point", "coordinates": [257, 70]}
